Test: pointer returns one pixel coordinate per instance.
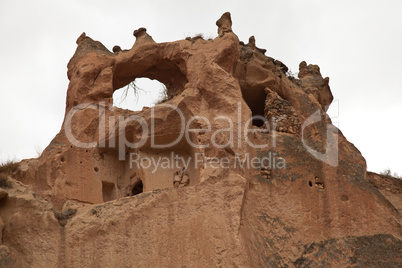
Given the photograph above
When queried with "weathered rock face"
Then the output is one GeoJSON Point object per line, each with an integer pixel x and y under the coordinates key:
{"type": "Point", "coordinates": [389, 187]}
{"type": "Point", "coordinates": [240, 168]}
{"type": "Point", "coordinates": [312, 82]}
{"type": "Point", "coordinates": [364, 251]}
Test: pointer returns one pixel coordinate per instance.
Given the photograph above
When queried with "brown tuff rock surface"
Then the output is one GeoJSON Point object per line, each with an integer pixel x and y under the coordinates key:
{"type": "Point", "coordinates": [389, 187]}
{"type": "Point", "coordinates": [280, 113]}
{"type": "Point", "coordinates": [81, 203]}
{"type": "Point", "coordinates": [364, 251]}
{"type": "Point", "coordinates": [312, 83]}
{"type": "Point", "coordinates": [3, 194]}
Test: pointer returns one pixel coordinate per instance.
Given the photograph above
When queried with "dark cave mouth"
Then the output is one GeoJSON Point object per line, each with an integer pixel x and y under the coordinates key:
{"type": "Point", "coordinates": [255, 99]}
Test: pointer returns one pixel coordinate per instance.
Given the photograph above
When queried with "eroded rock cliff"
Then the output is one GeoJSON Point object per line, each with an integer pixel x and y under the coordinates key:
{"type": "Point", "coordinates": [240, 167]}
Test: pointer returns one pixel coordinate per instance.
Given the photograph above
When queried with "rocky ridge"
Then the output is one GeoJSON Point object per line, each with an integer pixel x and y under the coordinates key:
{"type": "Point", "coordinates": [83, 203]}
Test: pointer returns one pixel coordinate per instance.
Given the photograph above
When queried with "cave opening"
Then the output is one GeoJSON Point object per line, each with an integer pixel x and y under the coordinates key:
{"type": "Point", "coordinates": [138, 188]}
{"type": "Point", "coordinates": [108, 191]}
{"type": "Point", "coordinates": [255, 99]}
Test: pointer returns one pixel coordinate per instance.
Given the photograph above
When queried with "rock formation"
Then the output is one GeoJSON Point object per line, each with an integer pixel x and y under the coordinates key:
{"type": "Point", "coordinates": [241, 168]}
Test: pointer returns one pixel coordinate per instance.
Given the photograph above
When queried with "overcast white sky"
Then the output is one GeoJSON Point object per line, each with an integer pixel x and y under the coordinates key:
{"type": "Point", "coordinates": [356, 43]}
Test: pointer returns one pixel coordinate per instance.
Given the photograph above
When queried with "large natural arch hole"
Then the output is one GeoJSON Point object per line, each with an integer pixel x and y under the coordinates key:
{"type": "Point", "coordinates": [142, 92]}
